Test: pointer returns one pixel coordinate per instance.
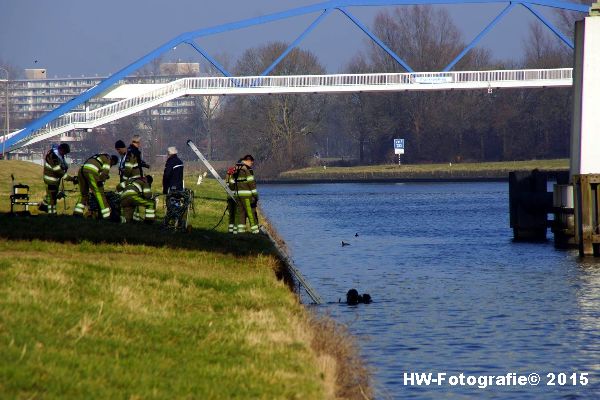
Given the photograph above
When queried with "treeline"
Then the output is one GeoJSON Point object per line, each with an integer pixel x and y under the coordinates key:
{"type": "Point", "coordinates": [291, 131]}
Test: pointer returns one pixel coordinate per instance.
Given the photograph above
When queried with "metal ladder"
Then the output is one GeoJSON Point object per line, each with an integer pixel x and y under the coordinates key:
{"type": "Point", "coordinates": [312, 293]}
{"type": "Point", "coordinates": [214, 173]}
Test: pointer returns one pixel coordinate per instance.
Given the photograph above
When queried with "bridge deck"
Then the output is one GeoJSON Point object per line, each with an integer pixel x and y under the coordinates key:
{"type": "Point", "coordinates": [341, 83]}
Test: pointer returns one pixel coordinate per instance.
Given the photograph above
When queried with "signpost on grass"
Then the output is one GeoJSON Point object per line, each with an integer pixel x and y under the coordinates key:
{"type": "Point", "coordinates": [399, 149]}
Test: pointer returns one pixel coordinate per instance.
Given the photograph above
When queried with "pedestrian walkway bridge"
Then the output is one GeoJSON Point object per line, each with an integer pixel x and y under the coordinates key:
{"type": "Point", "coordinates": [259, 85]}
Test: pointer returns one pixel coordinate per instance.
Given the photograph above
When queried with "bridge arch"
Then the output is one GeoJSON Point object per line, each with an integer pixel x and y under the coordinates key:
{"type": "Point", "coordinates": [325, 9]}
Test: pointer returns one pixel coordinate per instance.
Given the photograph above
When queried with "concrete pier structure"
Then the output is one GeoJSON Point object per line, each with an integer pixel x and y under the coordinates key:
{"type": "Point", "coordinates": [585, 134]}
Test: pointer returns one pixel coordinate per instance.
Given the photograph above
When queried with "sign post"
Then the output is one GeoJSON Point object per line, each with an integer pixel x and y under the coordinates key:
{"type": "Point", "coordinates": [399, 149]}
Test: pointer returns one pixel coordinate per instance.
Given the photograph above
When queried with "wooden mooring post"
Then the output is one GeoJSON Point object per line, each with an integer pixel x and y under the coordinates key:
{"type": "Point", "coordinates": [530, 203]}
{"type": "Point", "coordinates": [587, 213]}
{"type": "Point", "coordinates": [563, 206]}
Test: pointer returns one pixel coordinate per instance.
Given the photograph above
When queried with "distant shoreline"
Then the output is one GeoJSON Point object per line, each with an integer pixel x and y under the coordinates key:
{"type": "Point", "coordinates": [378, 180]}
{"type": "Point", "coordinates": [425, 173]}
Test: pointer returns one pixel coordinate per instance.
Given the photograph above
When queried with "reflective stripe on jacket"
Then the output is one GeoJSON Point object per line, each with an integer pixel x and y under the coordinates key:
{"type": "Point", "coordinates": [137, 187]}
{"type": "Point", "coordinates": [98, 165]}
{"type": "Point", "coordinates": [245, 185]}
{"type": "Point", "coordinates": [131, 164]}
{"type": "Point", "coordinates": [55, 168]}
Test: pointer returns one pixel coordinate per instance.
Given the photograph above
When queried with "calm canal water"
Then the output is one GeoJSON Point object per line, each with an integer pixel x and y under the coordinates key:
{"type": "Point", "coordinates": [452, 293]}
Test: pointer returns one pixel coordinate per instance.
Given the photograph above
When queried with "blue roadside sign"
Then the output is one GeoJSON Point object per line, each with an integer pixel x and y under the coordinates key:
{"type": "Point", "coordinates": [398, 143]}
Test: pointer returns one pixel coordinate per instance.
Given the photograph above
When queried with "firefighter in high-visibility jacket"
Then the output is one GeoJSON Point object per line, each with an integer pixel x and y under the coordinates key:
{"type": "Point", "coordinates": [246, 194]}
{"type": "Point", "coordinates": [92, 175]}
{"type": "Point", "coordinates": [131, 166]}
{"type": "Point", "coordinates": [55, 169]}
{"type": "Point", "coordinates": [138, 193]}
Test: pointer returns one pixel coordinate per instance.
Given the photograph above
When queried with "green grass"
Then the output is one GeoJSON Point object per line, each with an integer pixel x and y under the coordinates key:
{"type": "Point", "coordinates": [426, 171]}
{"type": "Point", "coordinates": [92, 309]}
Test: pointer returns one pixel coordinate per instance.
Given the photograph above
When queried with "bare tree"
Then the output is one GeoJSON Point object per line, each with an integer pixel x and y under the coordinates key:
{"type": "Point", "coordinates": [426, 38]}
{"type": "Point", "coordinates": [545, 51]}
{"type": "Point", "coordinates": [276, 128]}
{"type": "Point", "coordinates": [207, 109]}
{"type": "Point", "coordinates": [202, 122]}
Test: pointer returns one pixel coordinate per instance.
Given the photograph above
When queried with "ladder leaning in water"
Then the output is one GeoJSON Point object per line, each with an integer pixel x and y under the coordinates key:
{"type": "Point", "coordinates": [312, 293]}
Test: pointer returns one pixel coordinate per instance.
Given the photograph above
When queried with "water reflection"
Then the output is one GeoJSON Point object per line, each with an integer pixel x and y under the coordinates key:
{"type": "Point", "coordinates": [452, 292]}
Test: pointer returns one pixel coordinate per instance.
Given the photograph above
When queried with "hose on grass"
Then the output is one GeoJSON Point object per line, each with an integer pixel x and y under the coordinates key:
{"type": "Point", "coordinates": [221, 220]}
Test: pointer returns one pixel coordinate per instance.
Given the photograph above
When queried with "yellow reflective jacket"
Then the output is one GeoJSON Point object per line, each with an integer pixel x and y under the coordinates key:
{"type": "Point", "coordinates": [244, 183]}
{"type": "Point", "coordinates": [99, 166]}
{"type": "Point", "coordinates": [137, 187]}
{"type": "Point", "coordinates": [55, 168]}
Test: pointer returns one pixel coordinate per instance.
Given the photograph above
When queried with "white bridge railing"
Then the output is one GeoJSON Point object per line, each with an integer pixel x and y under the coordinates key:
{"type": "Point", "coordinates": [255, 85]}
{"type": "Point", "coordinates": [385, 81]}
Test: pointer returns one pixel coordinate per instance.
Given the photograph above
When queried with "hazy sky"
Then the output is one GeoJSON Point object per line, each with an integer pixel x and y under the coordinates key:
{"type": "Point", "coordinates": [69, 37]}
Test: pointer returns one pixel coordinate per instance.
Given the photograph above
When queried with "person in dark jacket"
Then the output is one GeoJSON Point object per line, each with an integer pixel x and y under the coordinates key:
{"type": "Point", "coordinates": [173, 175]}
{"type": "Point", "coordinates": [121, 149]}
{"type": "Point", "coordinates": [132, 164]}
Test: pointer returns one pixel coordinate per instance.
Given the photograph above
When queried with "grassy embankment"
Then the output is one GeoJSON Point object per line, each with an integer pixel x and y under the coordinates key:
{"type": "Point", "coordinates": [489, 170]}
{"type": "Point", "coordinates": [92, 309]}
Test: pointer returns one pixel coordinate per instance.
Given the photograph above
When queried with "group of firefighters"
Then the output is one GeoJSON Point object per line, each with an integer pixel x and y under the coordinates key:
{"type": "Point", "coordinates": [135, 189]}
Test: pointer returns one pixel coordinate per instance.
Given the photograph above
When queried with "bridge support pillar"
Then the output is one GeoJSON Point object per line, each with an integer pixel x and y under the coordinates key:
{"type": "Point", "coordinates": [585, 134]}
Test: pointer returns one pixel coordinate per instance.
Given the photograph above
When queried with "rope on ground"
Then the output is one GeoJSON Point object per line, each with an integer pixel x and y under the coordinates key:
{"type": "Point", "coordinates": [221, 220]}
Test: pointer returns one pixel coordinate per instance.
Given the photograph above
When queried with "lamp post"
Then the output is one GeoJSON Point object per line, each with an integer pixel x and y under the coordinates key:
{"type": "Point", "coordinates": [7, 113]}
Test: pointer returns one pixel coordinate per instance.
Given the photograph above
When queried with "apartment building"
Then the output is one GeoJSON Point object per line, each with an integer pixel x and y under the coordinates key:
{"type": "Point", "coordinates": [36, 95]}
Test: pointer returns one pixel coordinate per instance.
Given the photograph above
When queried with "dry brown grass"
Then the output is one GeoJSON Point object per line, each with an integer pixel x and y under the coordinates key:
{"type": "Point", "coordinates": [281, 271]}
{"type": "Point", "coordinates": [339, 356]}
{"type": "Point", "coordinates": [345, 374]}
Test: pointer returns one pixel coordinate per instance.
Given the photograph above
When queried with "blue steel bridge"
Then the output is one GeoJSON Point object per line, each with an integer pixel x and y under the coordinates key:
{"type": "Point", "coordinates": [63, 119]}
